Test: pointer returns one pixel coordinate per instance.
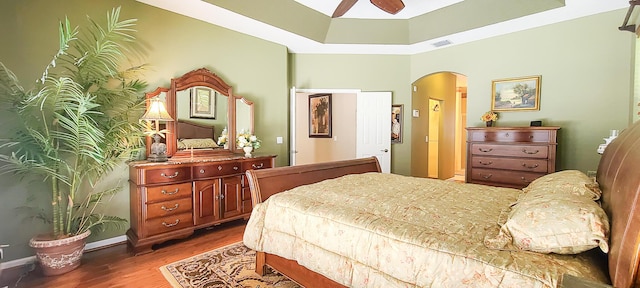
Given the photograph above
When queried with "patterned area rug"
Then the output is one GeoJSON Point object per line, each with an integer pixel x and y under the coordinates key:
{"type": "Point", "coordinates": [229, 266]}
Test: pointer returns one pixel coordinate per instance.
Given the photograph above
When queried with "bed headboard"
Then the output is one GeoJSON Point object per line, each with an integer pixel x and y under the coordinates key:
{"type": "Point", "coordinates": [619, 178]}
{"type": "Point", "coordinates": [187, 130]}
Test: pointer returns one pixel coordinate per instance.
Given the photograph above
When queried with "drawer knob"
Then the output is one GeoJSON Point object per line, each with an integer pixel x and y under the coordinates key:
{"type": "Point", "coordinates": [219, 168]}
{"type": "Point", "coordinates": [235, 168]}
{"type": "Point", "coordinates": [201, 171]}
{"type": "Point", "coordinates": [485, 150]}
{"type": "Point", "coordinates": [530, 152]}
{"type": "Point", "coordinates": [486, 163]}
{"type": "Point", "coordinates": [170, 209]}
{"type": "Point", "coordinates": [165, 224]}
{"type": "Point", "coordinates": [170, 176]}
{"type": "Point", "coordinates": [524, 180]}
{"type": "Point", "coordinates": [165, 192]}
{"type": "Point", "coordinates": [507, 134]}
{"type": "Point", "coordinates": [254, 166]}
{"type": "Point", "coordinates": [530, 166]}
{"type": "Point", "coordinates": [486, 176]}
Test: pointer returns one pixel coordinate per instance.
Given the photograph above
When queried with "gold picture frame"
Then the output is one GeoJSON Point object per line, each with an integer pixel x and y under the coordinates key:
{"type": "Point", "coordinates": [516, 94]}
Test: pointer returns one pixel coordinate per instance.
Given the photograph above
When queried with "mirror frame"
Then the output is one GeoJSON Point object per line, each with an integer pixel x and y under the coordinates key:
{"type": "Point", "coordinates": [199, 77]}
{"type": "Point", "coordinates": [148, 96]}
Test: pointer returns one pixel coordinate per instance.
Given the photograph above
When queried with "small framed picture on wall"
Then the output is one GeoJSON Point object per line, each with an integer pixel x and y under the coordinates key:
{"type": "Point", "coordinates": [396, 123]}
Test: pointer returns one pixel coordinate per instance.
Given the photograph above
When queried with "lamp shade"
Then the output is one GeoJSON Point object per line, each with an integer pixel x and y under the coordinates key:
{"type": "Point", "coordinates": [156, 111]}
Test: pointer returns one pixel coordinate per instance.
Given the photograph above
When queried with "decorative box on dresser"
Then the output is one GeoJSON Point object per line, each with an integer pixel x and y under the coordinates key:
{"type": "Point", "coordinates": [170, 200]}
{"type": "Point", "coordinates": [510, 156]}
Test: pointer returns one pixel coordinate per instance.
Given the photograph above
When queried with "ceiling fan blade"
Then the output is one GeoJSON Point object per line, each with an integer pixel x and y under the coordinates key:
{"type": "Point", "coordinates": [343, 7]}
{"type": "Point", "coordinates": [389, 6]}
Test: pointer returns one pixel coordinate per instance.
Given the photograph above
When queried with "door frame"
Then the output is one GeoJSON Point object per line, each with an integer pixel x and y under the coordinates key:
{"type": "Point", "coordinates": [292, 116]}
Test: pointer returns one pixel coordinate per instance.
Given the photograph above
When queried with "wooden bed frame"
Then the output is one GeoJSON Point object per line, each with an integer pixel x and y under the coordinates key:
{"type": "Point", "coordinates": [618, 175]}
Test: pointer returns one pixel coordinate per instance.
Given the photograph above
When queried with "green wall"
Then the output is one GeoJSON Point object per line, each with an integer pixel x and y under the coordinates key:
{"type": "Point", "coordinates": [175, 44]}
{"type": "Point", "coordinates": [586, 66]}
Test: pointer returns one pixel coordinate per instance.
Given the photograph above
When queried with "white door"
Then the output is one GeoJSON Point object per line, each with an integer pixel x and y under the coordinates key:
{"type": "Point", "coordinates": [374, 127]}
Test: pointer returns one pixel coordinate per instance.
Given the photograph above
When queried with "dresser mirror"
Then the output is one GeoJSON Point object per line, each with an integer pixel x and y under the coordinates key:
{"type": "Point", "coordinates": [203, 107]}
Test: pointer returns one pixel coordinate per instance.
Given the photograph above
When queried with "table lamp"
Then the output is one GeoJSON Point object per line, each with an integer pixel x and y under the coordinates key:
{"type": "Point", "coordinates": [156, 112]}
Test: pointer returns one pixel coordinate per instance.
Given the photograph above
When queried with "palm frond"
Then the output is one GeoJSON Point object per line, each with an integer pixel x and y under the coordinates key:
{"type": "Point", "coordinates": [79, 121]}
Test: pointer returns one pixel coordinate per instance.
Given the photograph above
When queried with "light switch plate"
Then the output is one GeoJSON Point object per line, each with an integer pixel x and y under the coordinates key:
{"type": "Point", "coordinates": [278, 140]}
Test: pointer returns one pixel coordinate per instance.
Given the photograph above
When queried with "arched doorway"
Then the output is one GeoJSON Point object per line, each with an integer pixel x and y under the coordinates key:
{"type": "Point", "coordinates": [439, 105]}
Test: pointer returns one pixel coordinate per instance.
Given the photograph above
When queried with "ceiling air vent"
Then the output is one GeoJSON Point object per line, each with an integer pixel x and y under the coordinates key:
{"type": "Point", "coordinates": [441, 43]}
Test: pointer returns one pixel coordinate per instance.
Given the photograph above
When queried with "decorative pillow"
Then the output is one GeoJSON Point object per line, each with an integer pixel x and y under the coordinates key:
{"type": "Point", "coordinates": [564, 182]}
{"type": "Point", "coordinates": [553, 223]}
{"type": "Point", "coordinates": [196, 143]}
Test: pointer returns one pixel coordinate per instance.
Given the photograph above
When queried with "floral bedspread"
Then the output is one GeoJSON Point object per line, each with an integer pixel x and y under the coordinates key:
{"type": "Point", "coordinates": [386, 230]}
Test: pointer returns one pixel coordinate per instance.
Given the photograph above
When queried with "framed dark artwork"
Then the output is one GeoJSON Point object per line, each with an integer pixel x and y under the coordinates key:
{"type": "Point", "coordinates": [320, 116]}
{"type": "Point", "coordinates": [396, 123]}
{"type": "Point", "coordinates": [516, 94]}
{"type": "Point", "coordinates": [203, 103]}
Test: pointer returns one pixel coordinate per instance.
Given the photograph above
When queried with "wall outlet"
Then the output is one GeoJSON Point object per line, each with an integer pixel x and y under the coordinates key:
{"type": "Point", "coordinates": [278, 140]}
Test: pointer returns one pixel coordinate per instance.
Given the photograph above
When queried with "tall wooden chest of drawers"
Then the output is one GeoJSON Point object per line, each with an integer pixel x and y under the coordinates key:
{"type": "Point", "coordinates": [510, 156]}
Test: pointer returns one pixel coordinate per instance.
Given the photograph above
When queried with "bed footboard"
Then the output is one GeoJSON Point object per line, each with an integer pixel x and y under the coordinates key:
{"type": "Point", "coordinates": [266, 182]}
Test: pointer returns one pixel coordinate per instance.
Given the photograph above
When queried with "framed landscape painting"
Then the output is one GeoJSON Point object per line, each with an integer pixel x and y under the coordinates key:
{"type": "Point", "coordinates": [516, 94]}
{"type": "Point", "coordinates": [320, 116]}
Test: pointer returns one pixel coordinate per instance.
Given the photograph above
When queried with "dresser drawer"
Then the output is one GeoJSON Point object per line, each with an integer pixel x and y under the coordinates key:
{"type": "Point", "coordinates": [166, 175]}
{"type": "Point", "coordinates": [215, 170]}
{"type": "Point", "coordinates": [527, 151]}
{"type": "Point", "coordinates": [516, 178]}
{"type": "Point", "coordinates": [167, 192]}
{"type": "Point", "coordinates": [168, 223]}
{"type": "Point", "coordinates": [171, 207]}
{"type": "Point", "coordinates": [256, 164]}
{"type": "Point", "coordinates": [519, 164]}
{"type": "Point", "coordinates": [509, 136]}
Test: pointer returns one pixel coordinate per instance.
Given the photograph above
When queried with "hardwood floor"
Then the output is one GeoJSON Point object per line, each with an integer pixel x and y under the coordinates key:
{"type": "Point", "coordinates": [115, 267]}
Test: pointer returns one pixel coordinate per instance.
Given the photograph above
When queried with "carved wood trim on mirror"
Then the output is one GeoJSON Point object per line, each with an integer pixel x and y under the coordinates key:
{"type": "Point", "coordinates": [179, 101]}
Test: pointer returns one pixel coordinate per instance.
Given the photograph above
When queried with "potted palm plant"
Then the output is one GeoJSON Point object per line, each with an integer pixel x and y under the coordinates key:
{"type": "Point", "coordinates": [77, 123]}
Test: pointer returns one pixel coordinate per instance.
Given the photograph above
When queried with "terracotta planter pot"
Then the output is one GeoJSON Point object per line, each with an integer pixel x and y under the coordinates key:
{"type": "Point", "coordinates": [59, 256]}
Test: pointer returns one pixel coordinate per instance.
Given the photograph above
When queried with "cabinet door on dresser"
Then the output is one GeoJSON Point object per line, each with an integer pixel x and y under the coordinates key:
{"type": "Point", "coordinates": [206, 203]}
{"type": "Point", "coordinates": [231, 196]}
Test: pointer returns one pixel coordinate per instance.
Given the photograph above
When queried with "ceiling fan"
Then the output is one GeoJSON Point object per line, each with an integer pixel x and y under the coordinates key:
{"type": "Point", "coordinates": [389, 6]}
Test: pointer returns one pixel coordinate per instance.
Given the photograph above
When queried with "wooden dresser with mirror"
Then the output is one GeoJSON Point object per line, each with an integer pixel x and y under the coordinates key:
{"type": "Point", "coordinates": [202, 184]}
